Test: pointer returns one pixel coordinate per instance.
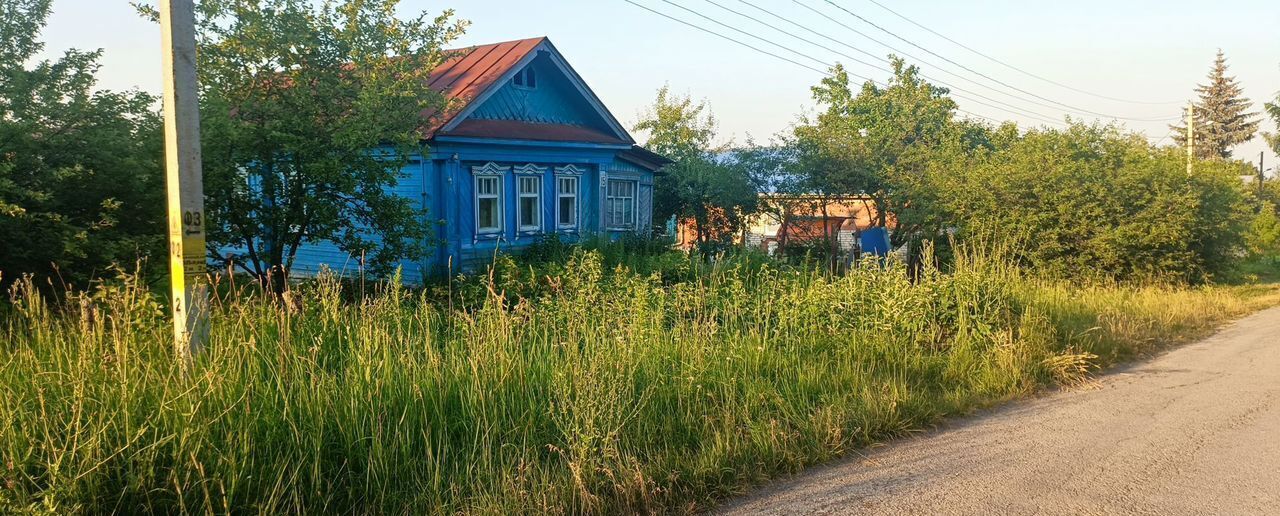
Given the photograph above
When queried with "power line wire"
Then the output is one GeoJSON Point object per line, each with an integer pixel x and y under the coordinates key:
{"type": "Point", "coordinates": [1012, 109]}
{"type": "Point", "coordinates": [1017, 69]}
{"type": "Point", "coordinates": [776, 56]}
{"type": "Point", "coordinates": [915, 58]}
{"type": "Point", "coordinates": [975, 72]}
{"type": "Point", "coordinates": [811, 42]}
{"type": "Point", "coordinates": [745, 33]}
{"type": "Point", "coordinates": [717, 34]}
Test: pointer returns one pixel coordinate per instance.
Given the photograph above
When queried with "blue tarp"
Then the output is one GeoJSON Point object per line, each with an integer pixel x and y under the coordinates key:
{"type": "Point", "coordinates": [875, 241]}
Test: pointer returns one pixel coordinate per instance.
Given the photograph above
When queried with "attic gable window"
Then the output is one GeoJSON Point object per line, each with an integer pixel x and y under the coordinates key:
{"type": "Point", "coordinates": [526, 78]}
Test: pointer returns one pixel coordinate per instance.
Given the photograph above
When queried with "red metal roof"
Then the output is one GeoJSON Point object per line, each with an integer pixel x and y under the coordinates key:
{"type": "Point", "coordinates": [470, 71]}
{"type": "Point", "coordinates": [518, 130]}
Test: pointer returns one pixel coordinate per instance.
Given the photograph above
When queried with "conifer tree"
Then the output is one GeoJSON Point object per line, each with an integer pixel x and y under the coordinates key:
{"type": "Point", "coordinates": [1222, 120]}
{"type": "Point", "coordinates": [1273, 139]}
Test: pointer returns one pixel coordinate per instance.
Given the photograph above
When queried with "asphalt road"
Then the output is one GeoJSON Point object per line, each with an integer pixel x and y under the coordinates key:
{"type": "Point", "coordinates": [1193, 431]}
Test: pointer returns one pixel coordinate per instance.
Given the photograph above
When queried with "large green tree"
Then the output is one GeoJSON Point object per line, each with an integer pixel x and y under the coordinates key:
{"type": "Point", "coordinates": [81, 186]}
{"type": "Point", "coordinates": [707, 184]}
{"type": "Point", "coordinates": [309, 112]}
{"type": "Point", "coordinates": [881, 142]}
{"type": "Point", "coordinates": [1222, 116]}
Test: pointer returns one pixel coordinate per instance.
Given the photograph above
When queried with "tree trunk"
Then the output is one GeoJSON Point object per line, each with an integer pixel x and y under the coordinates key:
{"type": "Point", "coordinates": [278, 280]}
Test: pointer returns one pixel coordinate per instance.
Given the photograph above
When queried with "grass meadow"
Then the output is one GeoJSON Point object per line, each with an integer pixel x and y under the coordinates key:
{"type": "Point", "coordinates": [593, 384]}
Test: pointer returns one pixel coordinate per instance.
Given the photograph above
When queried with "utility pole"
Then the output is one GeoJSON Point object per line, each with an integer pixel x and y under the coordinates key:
{"type": "Point", "coordinates": [1191, 136]}
{"type": "Point", "coordinates": [1262, 176]}
{"type": "Point", "coordinates": [183, 179]}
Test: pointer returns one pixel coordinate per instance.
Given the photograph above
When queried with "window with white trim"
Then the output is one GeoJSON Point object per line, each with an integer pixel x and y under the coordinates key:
{"type": "Point", "coordinates": [529, 202]}
{"type": "Point", "coordinates": [488, 204]}
{"type": "Point", "coordinates": [567, 202]}
{"type": "Point", "coordinates": [620, 204]}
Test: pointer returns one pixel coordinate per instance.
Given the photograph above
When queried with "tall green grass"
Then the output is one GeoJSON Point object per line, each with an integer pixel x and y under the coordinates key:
{"type": "Point", "coordinates": [564, 387]}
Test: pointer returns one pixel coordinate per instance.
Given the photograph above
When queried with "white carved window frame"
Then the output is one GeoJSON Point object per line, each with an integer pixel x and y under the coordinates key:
{"type": "Point", "coordinates": [529, 174]}
{"type": "Point", "coordinates": [489, 174]}
{"type": "Point", "coordinates": [568, 175]}
{"type": "Point", "coordinates": [620, 193]}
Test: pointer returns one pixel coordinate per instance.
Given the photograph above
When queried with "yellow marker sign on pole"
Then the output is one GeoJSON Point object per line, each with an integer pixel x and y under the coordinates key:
{"type": "Point", "coordinates": [183, 178]}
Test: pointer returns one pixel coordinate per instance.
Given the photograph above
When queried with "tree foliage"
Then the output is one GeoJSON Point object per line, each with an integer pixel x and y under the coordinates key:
{"type": "Point", "coordinates": [1264, 232]}
{"type": "Point", "coordinates": [1093, 201]}
{"type": "Point", "coordinates": [1085, 201]}
{"type": "Point", "coordinates": [1222, 117]}
{"type": "Point", "coordinates": [709, 185]}
{"type": "Point", "coordinates": [880, 142]}
{"type": "Point", "coordinates": [1273, 110]}
{"type": "Point", "coordinates": [309, 112]}
{"type": "Point", "coordinates": [81, 186]}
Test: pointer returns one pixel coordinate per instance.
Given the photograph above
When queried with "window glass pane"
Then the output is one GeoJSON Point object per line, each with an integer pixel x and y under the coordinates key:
{"type": "Point", "coordinates": [568, 211]}
{"type": "Point", "coordinates": [528, 185]}
{"type": "Point", "coordinates": [567, 201]}
{"type": "Point", "coordinates": [530, 195]}
{"type": "Point", "coordinates": [531, 80]}
{"type": "Point", "coordinates": [528, 211]}
{"type": "Point", "coordinates": [488, 213]}
{"type": "Point", "coordinates": [620, 203]}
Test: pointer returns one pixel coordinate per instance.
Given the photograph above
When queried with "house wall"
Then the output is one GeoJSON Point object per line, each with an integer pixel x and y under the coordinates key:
{"type": "Point", "coordinates": [412, 184]}
{"type": "Point", "coordinates": [443, 183]}
{"type": "Point", "coordinates": [466, 248]}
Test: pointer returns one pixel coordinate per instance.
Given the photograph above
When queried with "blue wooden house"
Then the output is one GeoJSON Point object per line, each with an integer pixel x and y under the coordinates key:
{"type": "Point", "coordinates": [526, 150]}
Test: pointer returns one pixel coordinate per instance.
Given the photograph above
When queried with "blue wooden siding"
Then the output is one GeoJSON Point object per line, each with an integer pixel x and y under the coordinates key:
{"type": "Point", "coordinates": [553, 101]}
{"type": "Point", "coordinates": [466, 248]}
{"type": "Point", "coordinates": [312, 256]}
{"type": "Point", "coordinates": [445, 187]}
{"type": "Point", "coordinates": [441, 180]}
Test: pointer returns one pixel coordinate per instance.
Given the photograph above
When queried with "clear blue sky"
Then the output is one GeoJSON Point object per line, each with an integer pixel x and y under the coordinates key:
{"type": "Point", "coordinates": [1155, 50]}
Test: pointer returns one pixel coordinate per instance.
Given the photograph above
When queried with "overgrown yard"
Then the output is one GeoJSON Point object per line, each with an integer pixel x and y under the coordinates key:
{"type": "Point", "coordinates": [593, 386]}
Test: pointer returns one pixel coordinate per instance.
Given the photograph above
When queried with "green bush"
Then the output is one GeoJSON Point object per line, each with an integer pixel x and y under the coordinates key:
{"type": "Point", "coordinates": [1264, 233]}
{"type": "Point", "coordinates": [1092, 202]}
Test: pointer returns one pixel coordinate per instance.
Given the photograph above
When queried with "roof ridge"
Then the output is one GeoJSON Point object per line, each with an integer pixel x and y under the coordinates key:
{"type": "Point", "coordinates": [496, 43]}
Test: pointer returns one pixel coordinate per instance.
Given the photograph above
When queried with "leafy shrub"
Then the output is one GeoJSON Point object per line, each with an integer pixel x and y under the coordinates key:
{"type": "Point", "coordinates": [1264, 233]}
{"type": "Point", "coordinates": [1089, 201]}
